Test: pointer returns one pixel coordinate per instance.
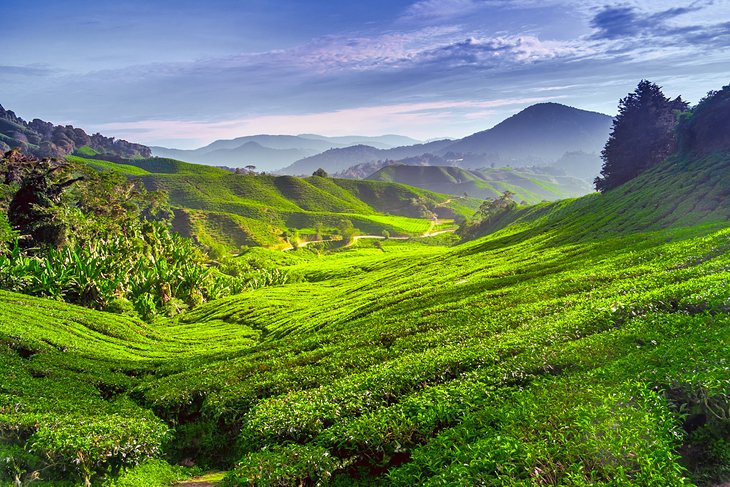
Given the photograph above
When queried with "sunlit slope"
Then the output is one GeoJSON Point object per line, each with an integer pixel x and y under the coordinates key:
{"type": "Point", "coordinates": [535, 352]}
{"type": "Point", "coordinates": [220, 208]}
{"type": "Point", "coordinates": [527, 185]}
{"type": "Point", "coordinates": [684, 190]}
{"type": "Point", "coordinates": [572, 347]}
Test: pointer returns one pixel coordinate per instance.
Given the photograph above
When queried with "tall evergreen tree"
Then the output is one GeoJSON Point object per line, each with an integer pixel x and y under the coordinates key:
{"type": "Point", "coordinates": [642, 135]}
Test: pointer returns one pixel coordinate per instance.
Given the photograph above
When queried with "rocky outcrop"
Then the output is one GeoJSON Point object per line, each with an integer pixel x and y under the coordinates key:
{"type": "Point", "coordinates": [43, 139]}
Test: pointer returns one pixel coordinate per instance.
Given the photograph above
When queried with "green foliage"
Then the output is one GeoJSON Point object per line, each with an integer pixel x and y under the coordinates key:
{"type": "Point", "coordinates": [151, 473]}
{"type": "Point", "coordinates": [149, 267]}
{"type": "Point", "coordinates": [704, 129]}
{"type": "Point", "coordinates": [283, 466]}
{"type": "Point", "coordinates": [93, 447]}
{"type": "Point", "coordinates": [583, 344]}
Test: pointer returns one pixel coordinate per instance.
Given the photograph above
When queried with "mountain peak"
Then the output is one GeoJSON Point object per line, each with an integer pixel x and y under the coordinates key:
{"type": "Point", "coordinates": [540, 133]}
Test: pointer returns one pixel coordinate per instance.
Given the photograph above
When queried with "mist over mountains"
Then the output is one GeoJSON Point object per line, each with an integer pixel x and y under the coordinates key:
{"type": "Point", "coordinates": [273, 152]}
{"type": "Point", "coordinates": [545, 134]}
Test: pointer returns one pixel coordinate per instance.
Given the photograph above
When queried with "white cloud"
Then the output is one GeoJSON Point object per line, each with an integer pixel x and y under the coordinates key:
{"type": "Point", "coordinates": [440, 9]}
{"type": "Point", "coordinates": [422, 119]}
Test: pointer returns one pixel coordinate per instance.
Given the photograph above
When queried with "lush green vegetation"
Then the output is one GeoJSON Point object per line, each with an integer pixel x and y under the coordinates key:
{"type": "Point", "coordinates": [223, 211]}
{"type": "Point", "coordinates": [580, 342]}
{"type": "Point", "coordinates": [543, 353]}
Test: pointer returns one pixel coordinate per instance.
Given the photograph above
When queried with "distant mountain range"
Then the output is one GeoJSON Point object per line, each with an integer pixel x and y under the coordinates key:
{"type": "Point", "coordinates": [530, 185]}
{"type": "Point", "coordinates": [542, 134]}
{"type": "Point", "coordinates": [335, 160]}
{"type": "Point", "coordinates": [546, 134]}
{"type": "Point", "coordinates": [272, 152]}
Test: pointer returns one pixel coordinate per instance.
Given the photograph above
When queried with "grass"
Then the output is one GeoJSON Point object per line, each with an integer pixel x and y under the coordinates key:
{"type": "Point", "coordinates": [583, 344]}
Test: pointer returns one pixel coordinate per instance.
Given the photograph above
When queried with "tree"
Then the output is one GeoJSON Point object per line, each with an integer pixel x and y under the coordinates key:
{"type": "Point", "coordinates": [321, 173]}
{"type": "Point", "coordinates": [494, 207]}
{"type": "Point", "coordinates": [251, 168]}
{"type": "Point", "coordinates": [347, 230]}
{"type": "Point", "coordinates": [41, 185]}
{"type": "Point", "coordinates": [642, 135]}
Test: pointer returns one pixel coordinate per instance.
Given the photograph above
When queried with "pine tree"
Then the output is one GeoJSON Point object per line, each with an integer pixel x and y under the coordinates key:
{"type": "Point", "coordinates": [642, 135]}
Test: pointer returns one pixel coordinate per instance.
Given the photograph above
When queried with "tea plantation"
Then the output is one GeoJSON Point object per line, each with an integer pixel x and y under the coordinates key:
{"type": "Point", "coordinates": [225, 211]}
{"type": "Point", "coordinates": [581, 342]}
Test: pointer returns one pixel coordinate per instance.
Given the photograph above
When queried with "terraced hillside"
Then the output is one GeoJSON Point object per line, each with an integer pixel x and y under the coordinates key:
{"type": "Point", "coordinates": [218, 207]}
{"type": "Point", "coordinates": [528, 185]}
{"type": "Point", "coordinates": [584, 343]}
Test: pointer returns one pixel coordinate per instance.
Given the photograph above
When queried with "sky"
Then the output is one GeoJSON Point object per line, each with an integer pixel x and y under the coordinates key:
{"type": "Point", "coordinates": [182, 73]}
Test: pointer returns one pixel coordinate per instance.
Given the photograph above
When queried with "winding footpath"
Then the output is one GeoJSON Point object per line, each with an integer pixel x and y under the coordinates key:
{"type": "Point", "coordinates": [427, 233]}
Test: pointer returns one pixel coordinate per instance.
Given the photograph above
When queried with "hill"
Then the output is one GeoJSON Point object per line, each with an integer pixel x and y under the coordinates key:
{"type": "Point", "coordinates": [43, 139]}
{"type": "Point", "coordinates": [219, 208]}
{"type": "Point", "coordinates": [584, 343]}
{"type": "Point", "coordinates": [335, 160]}
{"type": "Point", "coordinates": [539, 134]}
{"type": "Point", "coordinates": [530, 185]}
{"type": "Point", "coordinates": [273, 152]}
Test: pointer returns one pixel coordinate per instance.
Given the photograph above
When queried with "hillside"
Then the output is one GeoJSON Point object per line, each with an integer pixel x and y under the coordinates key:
{"type": "Point", "coordinates": [583, 344]}
{"type": "Point", "coordinates": [578, 342]}
{"type": "Point", "coordinates": [43, 139]}
{"type": "Point", "coordinates": [529, 185]}
{"type": "Point", "coordinates": [217, 207]}
{"type": "Point", "coordinates": [539, 134]}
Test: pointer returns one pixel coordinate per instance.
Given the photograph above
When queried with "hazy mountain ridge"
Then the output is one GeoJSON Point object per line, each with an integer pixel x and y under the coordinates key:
{"type": "Point", "coordinates": [335, 160]}
{"type": "Point", "coordinates": [539, 134]}
{"type": "Point", "coordinates": [273, 152]}
{"type": "Point", "coordinates": [530, 185]}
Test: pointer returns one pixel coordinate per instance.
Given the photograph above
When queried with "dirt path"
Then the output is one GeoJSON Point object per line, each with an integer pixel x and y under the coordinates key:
{"type": "Point", "coordinates": [212, 479]}
{"type": "Point", "coordinates": [427, 233]}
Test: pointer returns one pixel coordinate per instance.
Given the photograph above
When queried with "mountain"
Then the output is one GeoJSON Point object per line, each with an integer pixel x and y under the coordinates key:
{"type": "Point", "coordinates": [379, 142]}
{"type": "Point", "coordinates": [335, 160]}
{"type": "Point", "coordinates": [247, 153]}
{"type": "Point", "coordinates": [272, 152]}
{"type": "Point", "coordinates": [43, 139]}
{"type": "Point", "coordinates": [530, 185]}
{"type": "Point", "coordinates": [539, 134]}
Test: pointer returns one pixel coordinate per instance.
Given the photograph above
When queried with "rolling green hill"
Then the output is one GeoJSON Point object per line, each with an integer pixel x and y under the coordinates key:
{"type": "Point", "coordinates": [528, 185]}
{"type": "Point", "coordinates": [585, 343]}
{"type": "Point", "coordinates": [217, 207]}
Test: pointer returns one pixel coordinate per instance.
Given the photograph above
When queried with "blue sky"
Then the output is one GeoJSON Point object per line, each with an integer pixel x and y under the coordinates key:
{"type": "Point", "coordinates": [184, 73]}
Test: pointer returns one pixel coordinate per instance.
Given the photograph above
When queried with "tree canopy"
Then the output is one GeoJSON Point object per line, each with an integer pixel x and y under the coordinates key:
{"type": "Point", "coordinates": [643, 134]}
